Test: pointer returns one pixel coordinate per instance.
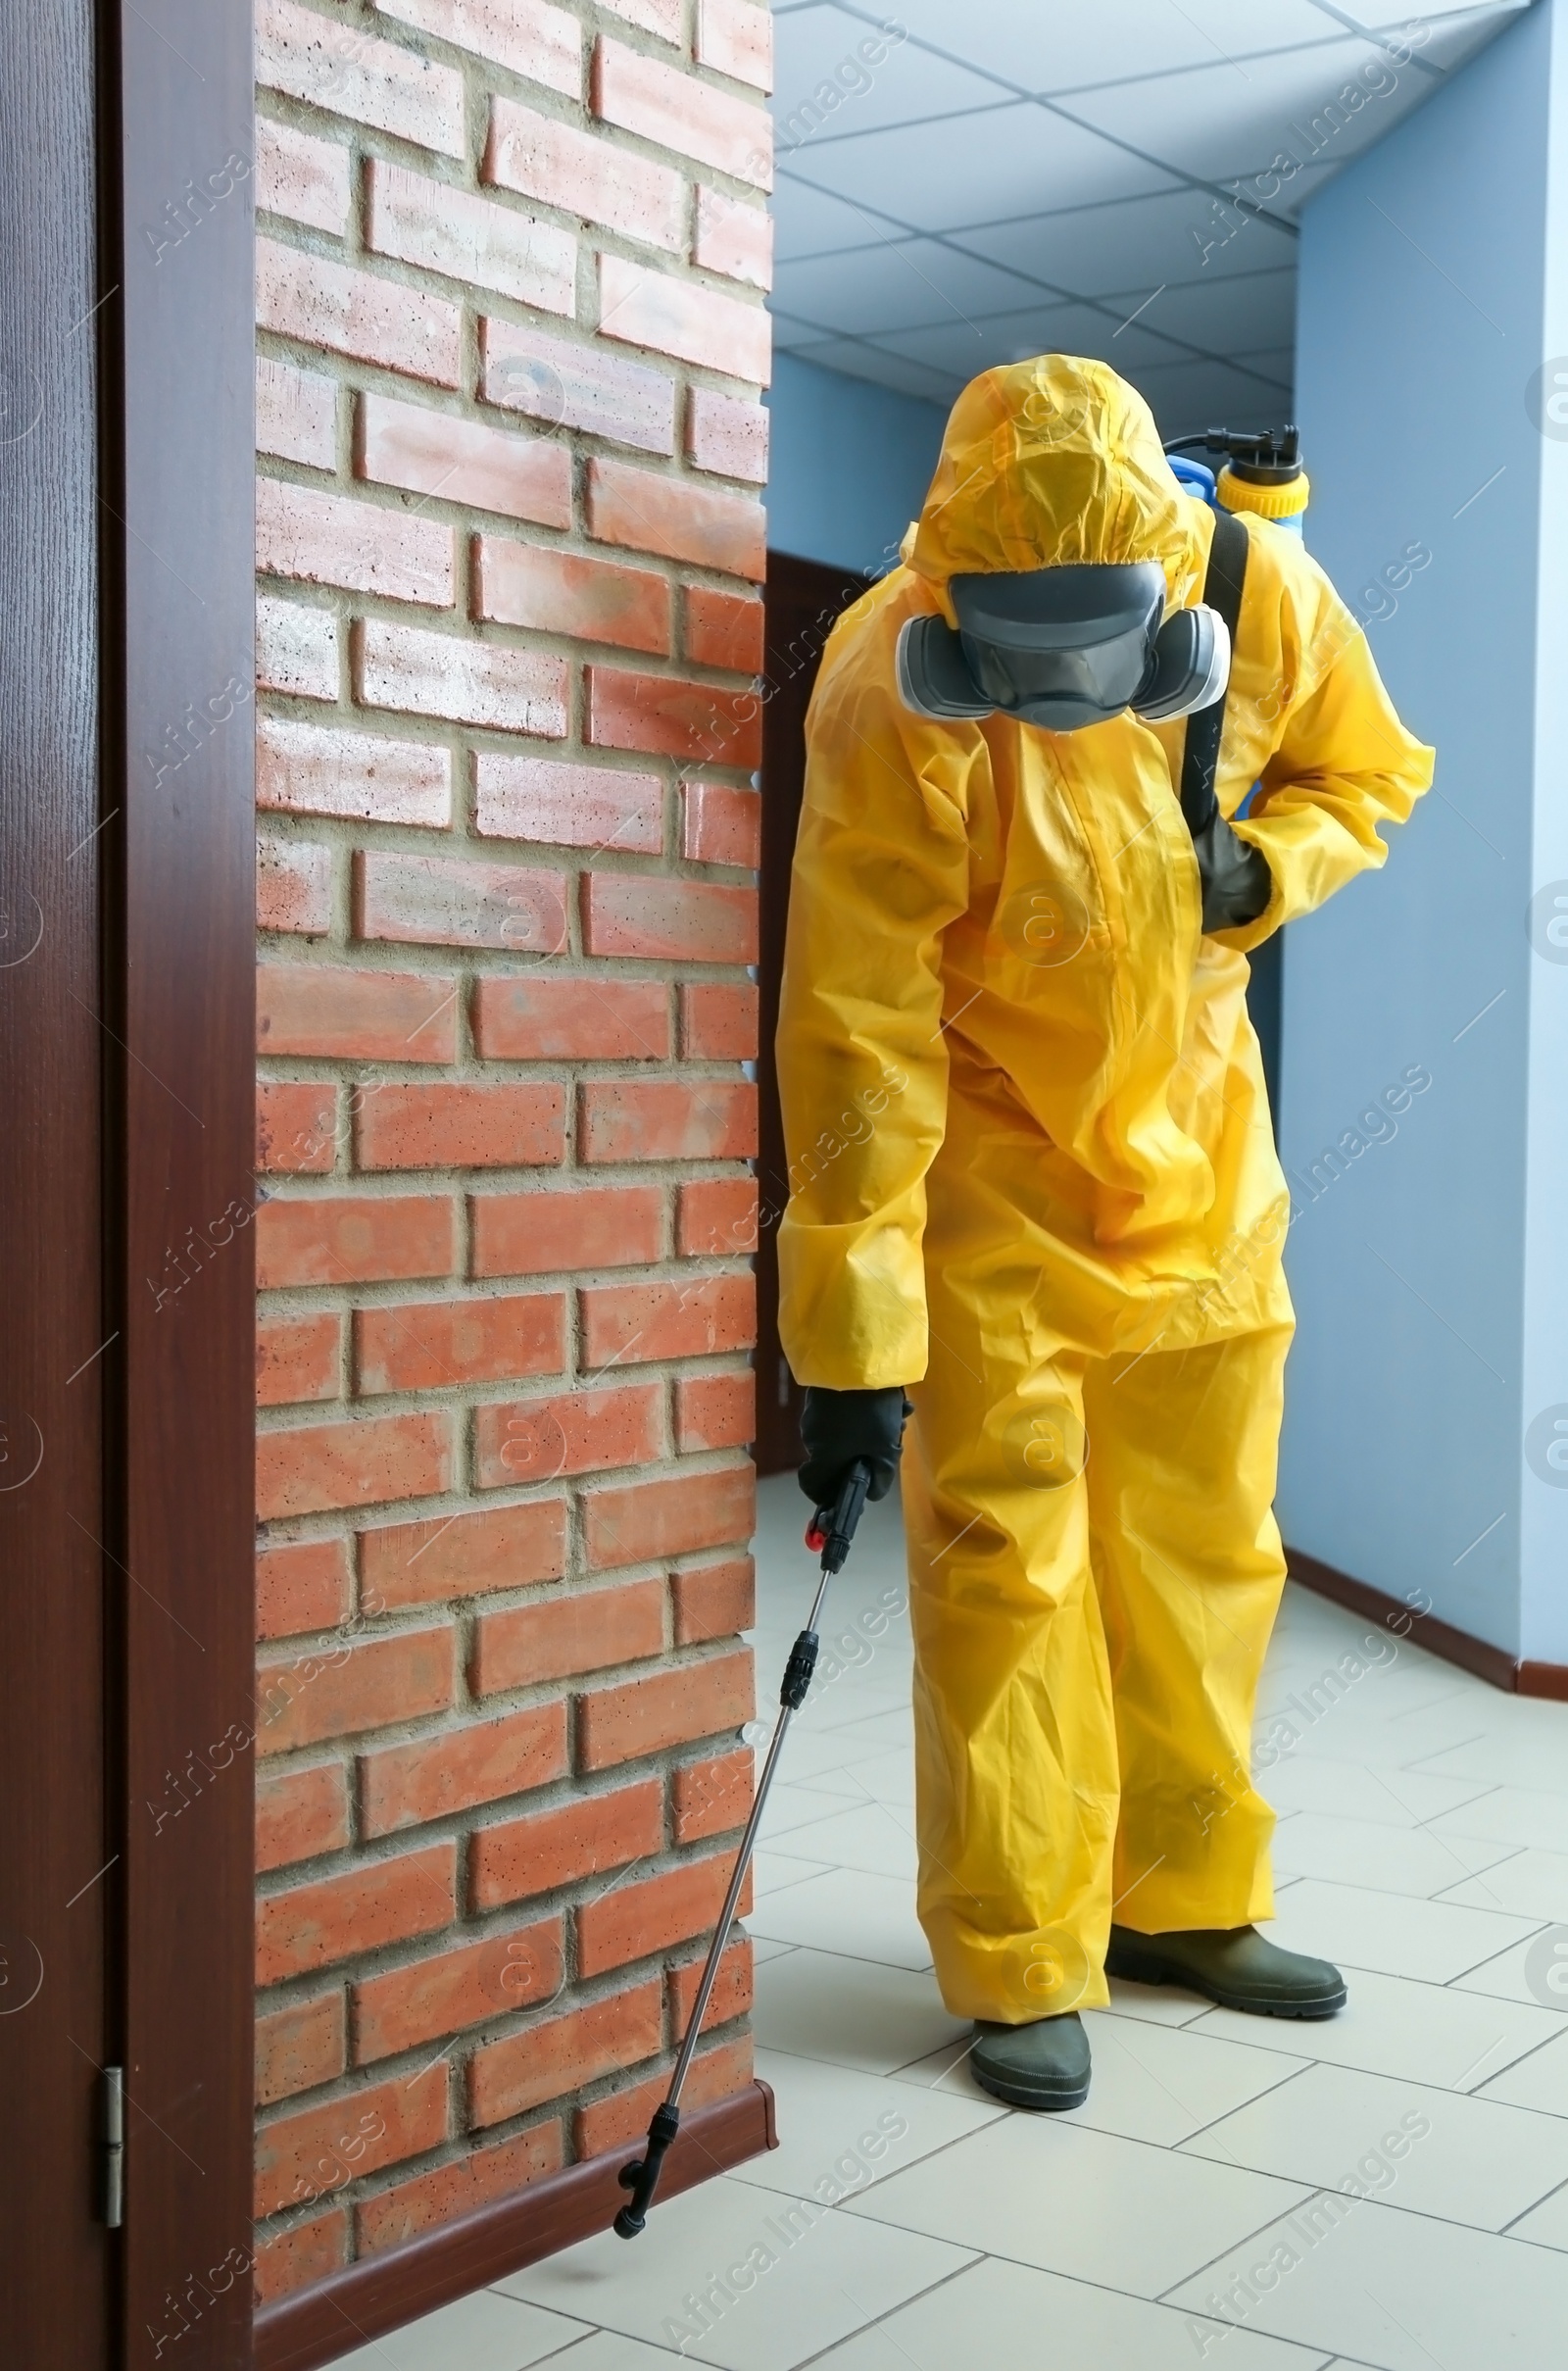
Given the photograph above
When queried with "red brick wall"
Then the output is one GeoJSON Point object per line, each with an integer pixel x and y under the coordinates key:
{"type": "Point", "coordinates": [510, 336]}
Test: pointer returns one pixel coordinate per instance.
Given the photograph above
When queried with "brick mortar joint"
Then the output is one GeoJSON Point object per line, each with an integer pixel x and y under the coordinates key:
{"type": "Point", "coordinates": [481, 82]}
{"type": "Point", "coordinates": [482, 89]}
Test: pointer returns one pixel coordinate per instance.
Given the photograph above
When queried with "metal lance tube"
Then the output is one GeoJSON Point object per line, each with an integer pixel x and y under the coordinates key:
{"type": "Point", "coordinates": [832, 1530]}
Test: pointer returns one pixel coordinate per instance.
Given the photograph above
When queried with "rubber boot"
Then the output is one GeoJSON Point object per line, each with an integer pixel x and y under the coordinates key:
{"type": "Point", "coordinates": [1234, 1967]}
{"type": "Point", "coordinates": [1044, 2065]}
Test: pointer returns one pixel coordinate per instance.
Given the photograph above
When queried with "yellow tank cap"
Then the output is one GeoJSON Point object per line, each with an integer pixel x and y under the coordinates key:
{"type": "Point", "coordinates": [1264, 502]}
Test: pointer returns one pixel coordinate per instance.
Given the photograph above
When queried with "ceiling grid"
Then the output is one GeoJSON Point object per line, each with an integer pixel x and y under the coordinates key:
{"type": "Point", "coordinates": [961, 187]}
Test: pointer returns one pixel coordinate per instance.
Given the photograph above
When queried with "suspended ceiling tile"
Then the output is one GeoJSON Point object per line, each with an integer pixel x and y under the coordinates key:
{"type": "Point", "coordinates": [1190, 397]}
{"type": "Point", "coordinates": [968, 349]}
{"type": "Point", "coordinates": [1263, 391]}
{"type": "Point", "coordinates": [1295, 193]}
{"type": "Point", "coordinates": [1130, 243]}
{"type": "Point", "coordinates": [1231, 315]}
{"type": "Point", "coordinates": [794, 332]}
{"type": "Point", "coordinates": [1460, 32]}
{"type": "Point", "coordinates": [1073, 206]}
{"type": "Point", "coordinates": [1442, 15]}
{"type": "Point", "coordinates": [897, 284]}
{"type": "Point", "coordinates": [1305, 105]}
{"type": "Point", "coordinates": [811, 222]}
{"type": "Point", "coordinates": [1270, 370]}
{"type": "Point", "coordinates": [960, 352]}
{"type": "Point", "coordinates": [895, 371]}
{"type": "Point", "coordinates": [827, 82]}
{"type": "Point", "coordinates": [1063, 45]}
{"type": "Point", "coordinates": [1015, 160]}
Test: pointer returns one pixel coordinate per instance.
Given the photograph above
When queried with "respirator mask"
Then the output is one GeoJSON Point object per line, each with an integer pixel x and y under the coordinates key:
{"type": "Point", "coordinates": [1062, 648]}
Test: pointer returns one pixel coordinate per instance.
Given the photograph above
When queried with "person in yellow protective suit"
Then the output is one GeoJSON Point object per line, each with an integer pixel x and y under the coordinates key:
{"type": "Point", "coordinates": [1034, 1184]}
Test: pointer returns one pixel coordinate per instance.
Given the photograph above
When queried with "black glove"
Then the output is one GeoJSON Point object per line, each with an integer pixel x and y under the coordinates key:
{"type": "Point", "coordinates": [838, 1426]}
{"type": "Point", "coordinates": [1237, 881]}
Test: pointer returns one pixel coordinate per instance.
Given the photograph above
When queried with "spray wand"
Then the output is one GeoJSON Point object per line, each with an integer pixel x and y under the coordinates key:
{"type": "Point", "coordinates": [829, 1534]}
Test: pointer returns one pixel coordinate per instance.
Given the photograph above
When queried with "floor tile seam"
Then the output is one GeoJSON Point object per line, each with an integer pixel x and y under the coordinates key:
{"type": "Point", "coordinates": [1534, 2051]}
{"type": "Point", "coordinates": [1473, 1836]}
{"type": "Point", "coordinates": [1537, 1927]}
{"type": "Point", "coordinates": [929, 2158]}
{"type": "Point", "coordinates": [1445, 1984]}
{"type": "Point", "coordinates": [1431, 1984]}
{"type": "Point", "coordinates": [808, 1868]}
{"type": "Point", "coordinates": [808, 2057]}
{"type": "Point", "coordinates": [1497, 1786]}
{"type": "Point", "coordinates": [1411, 2214]}
{"type": "Point", "coordinates": [1413, 1827]}
{"type": "Point", "coordinates": [974, 2255]}
{"type": "Point", "coordinates": [906, 2065]}
{"type": "Point", "coordinates": [1075, 2280]}
{"type": "Point", "coordinates": [1347, 2066]}
{"type": "Point", "coordinates": [1432, 2214]}
{"type": "Point", "coordinates": [1414, 1766]}
{"type": "Point", "coordinates": [822, 1820]}
{"type": "Point", "coordinates": [1383, 1893]}
{"type": "Point", "coordinates": [1279, 2082]}
{"type": "Point", "coordinates": [1301, 2067]}
{"type": "Point", "coordinates": [1480, 1876]}
{"type": "Point", "coordinates": [854, 1716]}
{"type": "Point", "coordinates": [1458, 1745]}
{"type": "Point", "coordinates": [1557, 2191]}
{"type": "Point", "coordinates": [862, 1958]}
{"type": "Point", "coordinates": [832, 1732]}
{"type": "Point", "coordinates": [1357, 1819]}
{"type": "Point", "coordinates": [1462, 1690]}
{"type": "Point", "coordinates": [1235, 2247]}
{"type": "Point", "coordinates": [588, 2332]}
{"type": "Point", "coordinates": [1093, 2132]}
{"type": "Point", "coordinates": [1400, 1893]}
{"type": "Point", "coordinates": [1359, 1967]}
{"type": "Point", "coordinates": [889, 2075]}
{"type": "Point", "coordinates": [988, 2115]}
{"type": "Point", "coordinates": [957, 2272]}
{"type": "Point", "coordinates": [858, 1868]}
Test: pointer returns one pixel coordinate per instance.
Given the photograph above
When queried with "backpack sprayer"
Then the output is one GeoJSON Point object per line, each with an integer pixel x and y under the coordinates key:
{"type": "Point", "coordinates": [1264, 475]}
{"type": "Point", "coordinates": [829, 1534]}
{"type": "Point", "coordinates": [1263, 472]}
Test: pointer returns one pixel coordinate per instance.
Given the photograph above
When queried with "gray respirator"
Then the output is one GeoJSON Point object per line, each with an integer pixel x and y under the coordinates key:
{"type": "Point", "coordinates": [1062, 648]}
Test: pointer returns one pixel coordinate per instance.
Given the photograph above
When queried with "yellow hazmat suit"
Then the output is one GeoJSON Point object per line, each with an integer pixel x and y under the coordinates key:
{"type": "Point", "coordinates": [1033, 1178]}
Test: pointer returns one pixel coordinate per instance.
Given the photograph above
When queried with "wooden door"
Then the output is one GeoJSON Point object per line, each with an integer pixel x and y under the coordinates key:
{"type": "Point", "coordinates": [126, 1102]}
{"type": "Point", "coordinates": [58, 1900]}
{"type": "Point", "coordinates": [803, 599]}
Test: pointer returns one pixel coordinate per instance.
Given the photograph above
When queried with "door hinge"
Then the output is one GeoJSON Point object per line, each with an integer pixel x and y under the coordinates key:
{"type": "Point", "coordinates": [113, 2146]}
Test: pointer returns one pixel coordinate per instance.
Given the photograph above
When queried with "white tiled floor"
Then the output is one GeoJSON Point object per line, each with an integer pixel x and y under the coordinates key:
{"type": "Point", "coordinates": [1423, 1842]}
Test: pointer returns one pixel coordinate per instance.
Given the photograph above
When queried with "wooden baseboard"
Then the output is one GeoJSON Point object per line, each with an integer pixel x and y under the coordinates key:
{"type": "Point", "coordinates": [1491, 1663]}
{"type": "Point", "coordinates": [1542, 1679]}
{"type": "Point", "coordinates": [382, 2293]}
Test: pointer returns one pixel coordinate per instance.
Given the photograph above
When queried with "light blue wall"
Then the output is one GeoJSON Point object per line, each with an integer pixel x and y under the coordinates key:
{"type": "Point", "coordinates": [1422, 314]}
{"type": "Point", "coordinates": [849, 466]}
{"type": "Point", "coordinates": [1544, 1514]}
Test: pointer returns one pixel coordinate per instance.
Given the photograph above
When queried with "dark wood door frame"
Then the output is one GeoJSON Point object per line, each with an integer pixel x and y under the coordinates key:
{"type": "Point", "coordinates": [186, 983]}
{"type": "Point", "coordinates": [126, 1053]}
{"type": "Point", "coordinates": [54, 1919]}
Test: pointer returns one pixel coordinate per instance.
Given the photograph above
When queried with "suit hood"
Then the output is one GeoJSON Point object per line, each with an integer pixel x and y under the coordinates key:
{"type": "Point", "coordinates": [1053, 463]}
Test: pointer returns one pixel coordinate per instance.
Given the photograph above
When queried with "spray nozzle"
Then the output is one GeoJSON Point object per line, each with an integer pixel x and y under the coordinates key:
{"type": "Point", "coordinates": [1265, 457]}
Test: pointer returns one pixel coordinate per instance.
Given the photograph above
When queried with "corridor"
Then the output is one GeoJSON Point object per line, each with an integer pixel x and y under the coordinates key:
{"type": "Point", "coordinates": [1399, 2173]}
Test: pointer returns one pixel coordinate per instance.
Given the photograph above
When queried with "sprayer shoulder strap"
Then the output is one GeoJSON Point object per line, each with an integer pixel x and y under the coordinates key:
{"type": "Point", "coordinates": [1222, 591]}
